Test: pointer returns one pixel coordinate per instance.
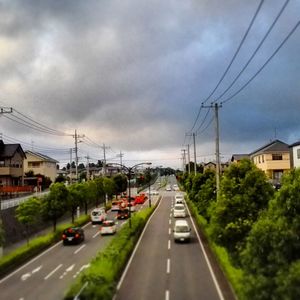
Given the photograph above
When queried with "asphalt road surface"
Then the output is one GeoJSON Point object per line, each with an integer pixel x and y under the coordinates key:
{"type": "Point", "coordinates": [163, 269]}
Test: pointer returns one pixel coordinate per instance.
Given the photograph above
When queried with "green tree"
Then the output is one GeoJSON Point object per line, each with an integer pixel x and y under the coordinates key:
{"type": "Point", "coordinates": [120, 181]}
{"type": "Point", "coordinates": [100, 192]}
{"type": "Point", "coordinates": [28, 213]}
{"type": "Point", "coordinates": [76, 197]}
{"type": "Point", "coordinates": [272, 251]}
{"type": "Point", "coordinates": [109, 187]}
{"type": "Point", "coordinates": [54, 204]}
{"type": "Point", "coordinates": [244, 193]}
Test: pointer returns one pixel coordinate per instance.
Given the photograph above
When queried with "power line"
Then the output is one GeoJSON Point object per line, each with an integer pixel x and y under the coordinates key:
{"type": "Point", "coordinates": [256, 50]}
{"type": "Point", "coordinates": [264, 65]}
{"type": "Point", "coordinates": [231, 62]}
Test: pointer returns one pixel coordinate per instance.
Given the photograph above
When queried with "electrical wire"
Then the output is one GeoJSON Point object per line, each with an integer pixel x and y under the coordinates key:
{"type": "Point", "coordinates": [255, 52]}
{"type": "Point", "coordinates": [265, 64]}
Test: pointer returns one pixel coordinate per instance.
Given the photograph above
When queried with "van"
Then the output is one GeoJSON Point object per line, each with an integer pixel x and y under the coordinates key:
{"type": "Point", "coordinates": [98, 215]}
{"type": "Point", "coordinates": [181, 231]}
{"type": "Point", "coordinates": [179, 211]}
{"type": "Point", "coordinates": [179, 199]}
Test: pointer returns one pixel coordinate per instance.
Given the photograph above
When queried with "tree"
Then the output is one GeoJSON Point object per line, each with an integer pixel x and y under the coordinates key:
{"type": "Point", "coordinates": [109, 187]}
{"type": "Point", "coordinates": [54, 204]}
{"type": "Point", "coordinates": [77, 195]}
{"type": "Point", "coordinates": [120, 181]}
{"type": "Point", "coordinates": [60, 178]}
{"type": "Point", "coordinates": [100, 192]}
{"type": "Point", "coordinates": [27, 213]}
{"type": "Point", "coordinates": [244, 193]}
{"type": "Point", "coordinates": [272, 250]}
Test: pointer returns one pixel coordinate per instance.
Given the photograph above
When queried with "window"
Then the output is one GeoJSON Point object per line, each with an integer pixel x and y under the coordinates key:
{"type": "Point", "coordinates": [2, 163]}
{"type": "Point", "coordinates": [263, 158]}
{"type": "Point", "coordinates": [33, 164]}
{"type": "Point", "coordinates": [298, 153]}
{"type": "Point", "coordinates": [259, 159]}
{"type": "Point", "coordinates": [276, 156]}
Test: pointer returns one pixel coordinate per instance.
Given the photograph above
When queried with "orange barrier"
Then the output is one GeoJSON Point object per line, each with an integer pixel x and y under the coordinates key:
{"type": "Point", "coordinates": [16, 189]}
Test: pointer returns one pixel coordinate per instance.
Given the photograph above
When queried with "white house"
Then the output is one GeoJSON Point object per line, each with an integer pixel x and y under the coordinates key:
{"type": "Point", "coordinates": [295, 155]}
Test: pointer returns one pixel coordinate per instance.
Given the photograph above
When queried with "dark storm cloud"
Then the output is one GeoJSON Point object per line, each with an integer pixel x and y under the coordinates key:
{"type": "Point", "coordinates": [144, 67]}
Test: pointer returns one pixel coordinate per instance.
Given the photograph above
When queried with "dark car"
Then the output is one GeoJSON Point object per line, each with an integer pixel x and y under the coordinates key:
{"type": "Point", "coordinates": [73, 235]}
{"type": "Point", "coordinates": [123, 213]}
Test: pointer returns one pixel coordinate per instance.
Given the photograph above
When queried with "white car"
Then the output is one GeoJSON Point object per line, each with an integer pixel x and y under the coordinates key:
{"type": "Point", "coordinates": [108, 227]}
{"type": "Point", "coordinates": [98, 215]}
{"type": "Point", "coordinates": [179, 199]}
{"type": "Point", "coordinates": [175, 187]}
{"type": "Point", "coordinates": [154, 193]}
{"type": "Point", "coordinates": [179, 211]}
{"type": "Point", "coordinates": [168, 188]}
{"type": "Point", "coordinates": [181, 231]}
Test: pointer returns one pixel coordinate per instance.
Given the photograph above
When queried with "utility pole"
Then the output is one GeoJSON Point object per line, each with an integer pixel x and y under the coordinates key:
{"type": "Point", "coordinates": [184, 160]}
{"type": "Point", "coordinates": [195, 154]}
{"type": "Point", "coordinates": [120, 156]}
{"type": "Point", "coordinates": [189, 158]}
{"type": "Point", "coordinates": [104, 158]}
{"type": "Point", "coordinates": [71, 150]}
{"type": "Point", "coordinates": [87, 167]}
{"type": "Point", "coordinates": [216, 107]}
{"type": "Point", "coordinates": [76, 136]}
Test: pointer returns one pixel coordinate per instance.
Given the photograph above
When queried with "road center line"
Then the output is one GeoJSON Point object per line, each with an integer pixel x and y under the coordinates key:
{"type": "Point", "coordinates": [170, 231]}
{"type": "Point", "coordinates": [170, 221]}
{"type": "Point", "coordinates": [167, 296]}
{"type": "Point", "coordinates": [169, 244]}
{"type": "Point", "coordinates": [96, 234]}
{"type": "Point", "coordinates": [80, 248]}
{"type": "Point", "coordinates": [168, 266]}
{"type": "Point", "coordinates": [52, 272]}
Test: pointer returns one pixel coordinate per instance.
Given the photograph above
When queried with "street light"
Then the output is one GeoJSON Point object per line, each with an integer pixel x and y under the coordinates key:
{"type": "Point", "coordinates": [129, 171]}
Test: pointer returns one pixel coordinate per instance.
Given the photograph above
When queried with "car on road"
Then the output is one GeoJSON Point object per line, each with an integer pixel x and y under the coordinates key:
{"type": "Point", "coordinates": [175, 187]}
{"type": "Point", "coordinates": [73, 235]}
{"type": "Point", "coordinates": [179, 211]}
{"type": "Point", "coordinates": [168, 188]}
{"type": "Point", "coordinates": [115, 204]}
{"type": "Point", "coordinates": [108, 227]}
{"type": "Point", "coordinates": [98, 215]}
{"type": "Point", "coordinates": [181, 231]}
{"type": "Point", "coordinates": [123, 213]}
{"type": "Point", "coordinates": [179, 199]}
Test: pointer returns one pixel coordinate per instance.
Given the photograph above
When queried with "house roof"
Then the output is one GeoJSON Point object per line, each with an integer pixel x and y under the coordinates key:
{"type": "Point", "coordinates": [274, 146]}
{"type": "Point", "coordinates": [41, 156]}
{"type": "Point", "coordinates": [239, 156]}
{"type": "Point", "coordinates": [9, 150]}
{"type": "Point", "coordinates": [295, 144]}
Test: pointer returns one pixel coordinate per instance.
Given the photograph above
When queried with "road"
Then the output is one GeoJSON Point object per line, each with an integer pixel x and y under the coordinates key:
{"type": "Point", "coordinates": [49, 275]}
{"type": "Point", "coordinates": [163, 269]}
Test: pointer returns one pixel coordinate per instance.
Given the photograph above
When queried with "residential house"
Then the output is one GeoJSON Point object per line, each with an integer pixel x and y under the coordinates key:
{"type": "Point", "coordinates": [295, 155]}
{"type": "Point", "coordinates": [11, 164]}
{"type": "Point", "coordinates": [236, 158]}
{"type": "Point", "coordinates": [212, 166]}
{"type": "Point", "coordinates": [40, 164]}
{"type": "Point", "coordinates": [273, 159]}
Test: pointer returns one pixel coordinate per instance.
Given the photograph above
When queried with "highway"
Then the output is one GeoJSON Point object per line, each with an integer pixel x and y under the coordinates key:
{"type": "Point", "coordinates": [49, 275]}
{"type": "Point", "coordinates": [163, 269]}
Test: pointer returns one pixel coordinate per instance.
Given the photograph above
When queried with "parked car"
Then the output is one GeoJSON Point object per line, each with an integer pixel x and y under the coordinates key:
{"type": "Point", "coordinates": [73, 235]}
{"type": "Point", "coordinates": [179, 211]}
{"type": "Point", "coordinates": [108, 227]}
{"type": "Point", "coordinates": [181, 231]}
{"type": "Point", "coordinates": [98, 215]}
{"type": "Point", "coordinates": [123, 213]}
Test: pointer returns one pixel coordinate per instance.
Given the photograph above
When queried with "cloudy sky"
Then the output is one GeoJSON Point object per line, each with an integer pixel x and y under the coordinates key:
{"type": "Point", "coordinates": [133, 74]}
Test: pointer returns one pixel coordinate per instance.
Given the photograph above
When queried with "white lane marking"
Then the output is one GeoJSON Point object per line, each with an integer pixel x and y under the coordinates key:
{"type": "Point", "coordinates": [80, 248]}
{"type": "Point", "coordinates": [167, 295]}
{"type": "Point", "coordinates": [96, 234]}
{"type": "Point", "coordinates": [135, 248]}
{"type": "Point", "coordinates": [66, 271]}
{"type": "Point", "coordinates": [52, 272]}
{"type": "Point", "coordinates": [123, 223]}
{"type": "Point", "coordinates": [170, 222]}
{"type": "Point", "coordinates": [82, 268]}
{"type": "Point", "coordinates": [170, 214]}
{"type": "Point", "coordinates": [169, 244]}
{"type": "Point", "coordinates": [36, 258]}
{"type": "Point", "coordinates": [206, 259]}
{"type": "Point", "coordinates": [25, 276]}
{"type": "Point", "coordinates": [168, 266]}
{"type": "Point", "coordinates": [170, 231]}
{"type": "Point", "coordinates": [37, 269]}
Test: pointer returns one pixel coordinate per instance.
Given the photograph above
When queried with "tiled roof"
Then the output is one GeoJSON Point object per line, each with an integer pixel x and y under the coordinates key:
{"type": "Point", "coordinates": [9, 150]}
{"type": "Point", "coordinates": [42, 156]}
{"type": "Point", "coordinates": [274, 146]}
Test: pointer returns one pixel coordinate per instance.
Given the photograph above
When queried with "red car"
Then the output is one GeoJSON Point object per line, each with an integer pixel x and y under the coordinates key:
{"type": "Point", "coordinates": [140, 199]}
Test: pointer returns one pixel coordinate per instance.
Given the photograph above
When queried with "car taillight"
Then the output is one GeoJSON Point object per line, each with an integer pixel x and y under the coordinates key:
{"type": "Point", "coordinates": [77, 235]}
{"type": "Point", "coordinates": [64, 236]}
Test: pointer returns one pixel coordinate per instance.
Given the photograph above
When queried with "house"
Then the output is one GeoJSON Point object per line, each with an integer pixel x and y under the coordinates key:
{"type": "Point", "coordinates": [11, 164]}
{"type": "Point", "coordinates": [212, 166]}
{"type": "Point", "coordinates": [295, 155]}
{"type": "Point", "coordinates": [40, 164]}
{"type": "Point", "coordinates": [273, 159]}
{"type": "Point", "coordinates": [236, 158]}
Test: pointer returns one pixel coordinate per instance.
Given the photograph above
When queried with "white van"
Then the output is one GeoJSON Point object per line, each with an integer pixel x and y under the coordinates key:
{"type": "Point", "coordinates": [181, 231]}
{"type": "Point", "coordinates": [98, 215]}
{"type": "Point", "coordinates": [179, 199]}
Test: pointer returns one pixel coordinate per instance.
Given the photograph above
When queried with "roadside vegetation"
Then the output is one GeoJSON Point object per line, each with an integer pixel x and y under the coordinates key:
{"type": "Point", "coordinates": [100, 280]}
{"type": "Point", "coordinates": [253, 229]}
